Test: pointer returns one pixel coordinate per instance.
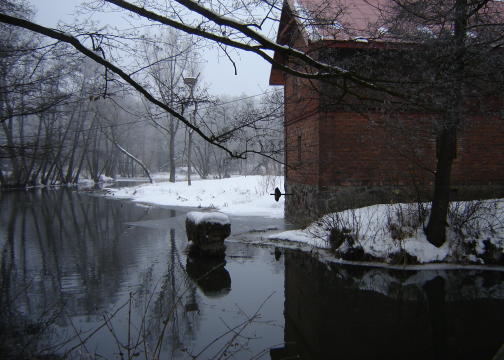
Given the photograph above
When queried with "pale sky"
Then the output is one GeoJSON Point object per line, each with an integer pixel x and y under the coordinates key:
{"type": "Point", "coordinates": [217, 73]}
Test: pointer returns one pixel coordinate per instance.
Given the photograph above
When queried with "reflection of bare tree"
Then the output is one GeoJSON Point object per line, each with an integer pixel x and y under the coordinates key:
{"type": "Point", "coordinates": [20, 333]}
{"type": "Point", "coordinates": [170, 305]}
{"type": "Point", "coordinates": [60, 250]}
{"type": "Point", "coordinates": [69, 254]}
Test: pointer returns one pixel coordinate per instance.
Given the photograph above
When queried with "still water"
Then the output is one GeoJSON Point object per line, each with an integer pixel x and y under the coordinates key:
{"type": "Point", "coordinates": [87, 277]}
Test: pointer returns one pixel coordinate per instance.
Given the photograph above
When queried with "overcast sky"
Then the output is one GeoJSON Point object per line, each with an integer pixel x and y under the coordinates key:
{"type": "Point", "coordinates": [217, 74]}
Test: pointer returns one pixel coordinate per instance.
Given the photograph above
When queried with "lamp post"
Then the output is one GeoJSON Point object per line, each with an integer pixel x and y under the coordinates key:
{"type": "Point", "coordinates": [191, 83]}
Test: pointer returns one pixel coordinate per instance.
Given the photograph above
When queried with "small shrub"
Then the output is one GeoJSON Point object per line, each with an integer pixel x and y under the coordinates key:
{"type": "Point", "coordinates": [472, 224]}
{"type": "Point", "coordinates": [397, 232]}
{"type": "Point", "coordinates": [471, 219]}
{"type": "Point", "coordinates": [267, 184]}
{"type": "Point", "coordinates": [338, 236]}
{"type": "Point", "coordinates": [492, 254]}
{"type": "Point", "coordinates": [353, 254]}
{"type": "Point", "coordinates": [402, 257]}
{"type": "Point", "coordinates": [337, 228]}
{"type": "Point", "coordinates": [403, 220]}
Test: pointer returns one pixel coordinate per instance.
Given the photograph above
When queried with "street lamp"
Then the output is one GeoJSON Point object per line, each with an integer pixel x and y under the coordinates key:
{"type": "Point", "coordinates": [191, 83]}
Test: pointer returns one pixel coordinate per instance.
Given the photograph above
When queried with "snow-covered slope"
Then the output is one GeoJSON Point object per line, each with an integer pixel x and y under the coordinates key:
{"type": "Point", "coordinates": [241, 195]}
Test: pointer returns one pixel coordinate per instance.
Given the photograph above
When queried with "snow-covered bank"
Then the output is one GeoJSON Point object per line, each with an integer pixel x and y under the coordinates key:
{"type": "Point", "coordinates": [241, 195]}
{"type": "Point", "coordinates": [393, 234]}
{"type": "Point", "coordinates": [388, 233]}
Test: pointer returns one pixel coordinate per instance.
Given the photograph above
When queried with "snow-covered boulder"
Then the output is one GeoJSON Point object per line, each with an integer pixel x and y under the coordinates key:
{"type": "Point", "coordinates": [207, 232]}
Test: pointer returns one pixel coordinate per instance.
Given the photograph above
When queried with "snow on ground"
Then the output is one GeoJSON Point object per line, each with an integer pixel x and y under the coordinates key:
{"type": "Point", "coordinates": [180, 175]}
{"type": "Point", "coordinates": [301, 236]}
{"type": "Point", "coordinates": [241, 195]}
{"type": "Point", "coordinates": [387, 232]}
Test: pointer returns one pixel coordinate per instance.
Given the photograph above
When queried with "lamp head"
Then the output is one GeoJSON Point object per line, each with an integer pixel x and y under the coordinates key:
{"type": "Point", "coordinates": [190, 81]}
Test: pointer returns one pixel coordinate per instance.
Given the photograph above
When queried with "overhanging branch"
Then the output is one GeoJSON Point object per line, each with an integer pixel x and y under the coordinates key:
{"type": "Point", "coordinates": [69, 39]}
{"type": "Point", "coordinates": [322, 71]}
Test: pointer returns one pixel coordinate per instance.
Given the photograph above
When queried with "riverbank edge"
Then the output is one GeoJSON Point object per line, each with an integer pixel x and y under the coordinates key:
{"type": "Point", "coordinates": [267, 238]}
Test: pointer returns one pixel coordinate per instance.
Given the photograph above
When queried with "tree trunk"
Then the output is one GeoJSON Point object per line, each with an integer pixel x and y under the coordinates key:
{"type": "Point", "coordinates": [69, 177]}
{"type": "Point", "coordinates": [171, 150]}
{"type": "Point", "coordinates": [133, 159]}
{"type": "Point", "coordinates": [447, 139]}
{"type": "Point", "coordinates": [189, 149]}
{"type": "Point", "coordinates": [435, 231]}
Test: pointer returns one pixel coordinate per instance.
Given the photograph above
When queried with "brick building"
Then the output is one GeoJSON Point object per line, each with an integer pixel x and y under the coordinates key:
{"type": "Point", "coordinates": [338, 157]}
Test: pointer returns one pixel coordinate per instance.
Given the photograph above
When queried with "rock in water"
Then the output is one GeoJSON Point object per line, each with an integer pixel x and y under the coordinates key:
{"type": "Point", "coordinates": [207, 232]}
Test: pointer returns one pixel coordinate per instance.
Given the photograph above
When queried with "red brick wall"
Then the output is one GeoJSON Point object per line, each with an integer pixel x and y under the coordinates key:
{"type": "Point", "coordinates": [348, 149]}
{"type": "Point", "coordinates": [338, 159]}
{"type": "Point", "coordinates": [301, 132]}
{"type": "Point", "coordinates": [480, 153]}
{"type": "Point", "coordinates": [367, 151]}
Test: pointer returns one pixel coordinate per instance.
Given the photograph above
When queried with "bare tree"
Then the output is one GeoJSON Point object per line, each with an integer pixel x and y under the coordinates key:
{"type": "Point", "coordinates": [456, 70]}
{"type": "Point", "coordinates": [230, 28]}
{"type": "Point", "coordinates": [109, 113]}
{"type": "Point", "coordinates": [31, 96]}
{"type": "Point", "coordinates": [256, 123]}
{"type": "Point", "coordinates": [168, 59]}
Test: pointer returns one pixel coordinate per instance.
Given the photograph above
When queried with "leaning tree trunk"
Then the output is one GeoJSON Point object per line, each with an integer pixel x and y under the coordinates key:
{"type": "Point", "coordinates": [130, 156]}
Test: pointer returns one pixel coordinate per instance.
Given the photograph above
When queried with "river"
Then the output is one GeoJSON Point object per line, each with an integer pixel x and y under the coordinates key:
{"type": "Point", "coordinates": [90, 277]}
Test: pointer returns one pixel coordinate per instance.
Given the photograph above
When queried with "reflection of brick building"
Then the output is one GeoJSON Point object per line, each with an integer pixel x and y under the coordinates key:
{"type": "Point", "coordinates": [353, 312]}
{"type": "Point", "coordinates": [337, 158]}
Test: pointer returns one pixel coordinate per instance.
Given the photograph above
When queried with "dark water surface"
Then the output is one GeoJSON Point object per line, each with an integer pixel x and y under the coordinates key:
{"type": "Point", "coordinates": [111, 279]}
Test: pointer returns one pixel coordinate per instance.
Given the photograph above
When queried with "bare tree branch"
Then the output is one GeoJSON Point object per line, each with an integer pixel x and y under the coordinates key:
{"type": "Point", "coordinates": [69, 39]}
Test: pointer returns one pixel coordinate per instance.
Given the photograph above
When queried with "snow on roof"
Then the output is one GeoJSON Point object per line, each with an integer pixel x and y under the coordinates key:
{"type": "Point", "coordinates": [198, 217]}
{"type": "Point", "coordinates": [361, 20]}
{"type": "Point", "coordinates": [339, 19]}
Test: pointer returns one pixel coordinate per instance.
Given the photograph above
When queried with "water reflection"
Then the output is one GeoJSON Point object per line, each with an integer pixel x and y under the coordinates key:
{"type": "Point", "coordinates": [115, 274]}
{"type": "Point", "coordinates": [210, 274]}
{"type": "Point", "coordinates": [69, 257]}
{"type": "Point", "coordinates": [56, 243]}
{"type": "Point", "coordinates": [72, 263]}
{"type": "Point", "coordinates": [362, 313]}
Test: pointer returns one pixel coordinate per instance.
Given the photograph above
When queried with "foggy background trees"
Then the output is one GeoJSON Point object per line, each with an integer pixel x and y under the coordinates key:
{"type": "Point", "coordinates": [65, 117]}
